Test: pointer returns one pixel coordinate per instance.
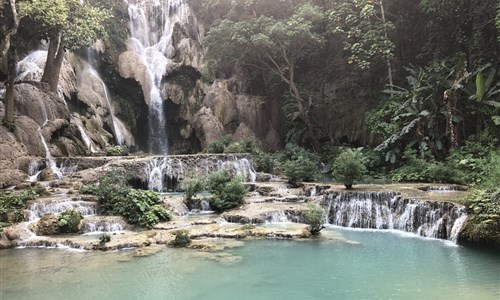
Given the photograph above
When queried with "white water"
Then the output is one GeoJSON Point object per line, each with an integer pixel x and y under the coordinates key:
{"type": "Point", "coordinates": [40, 208]}
{"type": "Point", "coordinates": [51, 163]}
{"type": "Point", "coordinates": [159, 170]}
{"type": "Point", "coordinates": [118, 127]}
{"type": "Point", "coordinates": [98, 224]}
{"type": "Point", "coordinates": [86, 139]}
{"type": "Point", "coordinates": [388, 211]}
{"type": "Point", "coordinates": [151, 26]}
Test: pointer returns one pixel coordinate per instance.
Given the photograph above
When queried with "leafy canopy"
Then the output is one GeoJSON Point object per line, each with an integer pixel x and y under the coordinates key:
{"type": "Point", "coordinates": [78, 23]}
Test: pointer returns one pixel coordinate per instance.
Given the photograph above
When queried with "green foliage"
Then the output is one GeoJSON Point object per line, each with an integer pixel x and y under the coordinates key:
{"type": "Point", "coordinates": [483, 223]}
{"type": "Point", "coordinates": [69, 221]}
{"type": "Point", "coordinates": [118, 150]}
{"type": "Point", "coordinates": [191, 187]}
{"type": "Point", "coordinates": [349, 166]}
{"type": "Point", "coordinates": [79, 23]}
{"type": "Point", "coordinates": [298, 163]}
{"type": "Point", "coordinates": [363, 29]}
{"type": "Point", "coordinates": [11, 126]}
{"type": "Point", "coordinates": [227, 192]}
{"type": "Point", "coordinates": [139, 207]}
{"type": "Point", "coordinates": [103, 239]}
{"type": "Point", "coordinates": [182, 239]}
{"type": "Point", "coordinates": [264, 162]}
{"type": "Point", "coordinates": [15, 203]}
{"type": "Point", "coordinates": [220, 145]}
{"type": "Point", "coordinates": [88, 189]}
{"type": "Point", "coordinates": [315, 218]}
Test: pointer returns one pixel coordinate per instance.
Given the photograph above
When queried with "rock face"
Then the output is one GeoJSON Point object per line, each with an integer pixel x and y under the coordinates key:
{"type": "Point", "coordinates": [47, 225]}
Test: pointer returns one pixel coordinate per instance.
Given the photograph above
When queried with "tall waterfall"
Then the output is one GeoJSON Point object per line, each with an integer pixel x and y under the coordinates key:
{"type": "Point", "coordinates": [386, 210]}
{"type": "Point", "coordinates": [151, 27]}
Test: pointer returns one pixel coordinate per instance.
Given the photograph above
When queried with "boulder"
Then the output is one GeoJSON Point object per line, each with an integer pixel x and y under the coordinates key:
{"type": "Point", "coordinates": [47, 225]}
{"type": "Point", "coordinates": [222, 103]}
{"type": "Point", "coordinates": [207, 127]}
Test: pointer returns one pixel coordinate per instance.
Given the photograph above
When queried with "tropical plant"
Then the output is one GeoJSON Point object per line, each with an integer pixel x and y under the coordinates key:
{"type": "Point", "coordinates": [298, 163]}
{"type": "Point", "coordinates": [139, 207]}
{"type": "Point", "coordinates": [191, 187]}
{"type": "Point", "coordinates": [15, 203]}
{"type": "Point", "coordinates": [182, 239]}
{"type": "Point", "coordinates": [349, 166]}
{"type": "Point", "coordinates": [69, 221]}
{"type": "Point", "coordinates": [314, 216]}
{"type": "Point", "coordinates": [118, 150]}
{"type": "Point", "coordinates": [228, 192]}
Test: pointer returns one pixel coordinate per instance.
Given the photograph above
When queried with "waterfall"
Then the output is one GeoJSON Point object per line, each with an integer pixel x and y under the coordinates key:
{"type": "Point", "coordinates": [160, 169]}
{"type": "Point", "coordinates": [118, 127]}
{"type": "Point", "coordinates": [386, 210]}
{"type": "Point", "coordinates": [151, 26]}
{"type": "Point", "coordinates": [96, 224]}
{"type": "Point", "coordinates": [86, 138]}
{"type": "Point", "coordinates": [156, 170]}
{"type": "Point", "coordinates": [48, 156]}
{"type": "Point", "coordinates": [39, 208]}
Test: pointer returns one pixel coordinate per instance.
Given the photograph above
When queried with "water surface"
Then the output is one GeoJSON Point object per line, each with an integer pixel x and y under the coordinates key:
{"type": "Point", "coordinates": [360, 265]}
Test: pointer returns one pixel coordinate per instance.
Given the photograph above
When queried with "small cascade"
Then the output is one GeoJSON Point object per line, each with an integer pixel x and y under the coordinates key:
{"type": "Point", "coordinates": [156, 170]}
{"type": "Point", "coordinates": [34, 169]}
{"type": "Point", "coordinates": [51, 163]}
{"type": "Point", "coordinates": [277, 217]}
{"type": "Point", "coordinates": [444, 188]}
{"type": "Point", "coordinates": [31, 67]}
{"type": "Point", "coordinates": [119, 129]}
{"type": "Point", "coordinates": [98, 224]}
{"type": "Point", "coordinates": [161, 169]}
{"type": "Point", "coordinates": [239, 166]}
{"type": "Point", "coordinates": [205, 206]}
{"type": "Point", "coordinates": [39, 208]}
{"type": "Point", "coordinates": [86, 139]}
{"type": "Point", "coordinates": [386, 210]}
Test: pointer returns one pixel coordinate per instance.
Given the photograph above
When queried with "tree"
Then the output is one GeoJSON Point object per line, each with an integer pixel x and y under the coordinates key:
{"type": "Point", "coordinates": [314, 216]}
{"type": "Point", "coordinates": [272, 45]}
{"type": "Point", "coordinates": [66, 25]}
{"type": "Point", "coordinates": [364, 30]}
{"type": "Point", "coordinates": [9, 52]}
{"type": "Point", "coordinates": [349, 166]}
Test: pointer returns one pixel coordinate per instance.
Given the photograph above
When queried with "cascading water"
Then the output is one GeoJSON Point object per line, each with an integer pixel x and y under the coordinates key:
{"type": "Point", "coordinates": [40, 208]}
{"type": "Point", "coordinates": [118, 127]}
{"type": "Point", "coordinates": [51, 163]}
{"type": "Point", "coordinates": [98, 224]}
{"type": "Point", "coordinates": [385, 210]}
{"type": "Point", "coordinates": [151, 27]}
{"type": "Point", "coordinates": [159, 169]}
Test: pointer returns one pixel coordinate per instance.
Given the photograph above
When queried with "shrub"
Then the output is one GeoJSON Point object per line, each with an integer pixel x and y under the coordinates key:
{"type": "Point", "coordinates": [227, 192]}
{"type": "Point", "coordinates": [118, 150]}
{"type": "Point", "coordinates": [69, 221]}
{"type": "Point", "coordinates": [314, 217]}
{"type": "Point", "coordinates": [103, 239]}
{"type": "Point", "coordinates": [349, 166]}
{"type": "Point", "coordinates": [192, 186]}
{"type": "Point", "coordinates": [264, 162]}
{"type": "Point", "coordinates": [182, 239]}
{"type": "Point", "coordinates": [219, 145]}
{"type": "Point", "coordinates": [88, 189]}
{"type": "Point", "coordinates": [15, 203]}
{"type": "Point", "coordinates": [298, 163]}
{"type": "Point", "coordinates": [139, 207]}
{"type": "Point", "coordinates": [483, 223]}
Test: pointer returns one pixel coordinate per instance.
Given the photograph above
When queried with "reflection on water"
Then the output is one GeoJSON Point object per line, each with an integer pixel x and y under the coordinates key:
{"type": "Point", "coordinates": [350, 265]}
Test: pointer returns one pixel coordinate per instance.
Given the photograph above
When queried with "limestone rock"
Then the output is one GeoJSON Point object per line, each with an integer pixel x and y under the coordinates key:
{"type": "Point", "coordinates": [39, 105]}
{"type": "Point", "coordinates": [131, 65]}
{"type": "Point", "coordinates": [207, 127]}
{"type": "Point", "coordinates": [47, 225]}
{"type": "Point", "coordinates": [222, 103]}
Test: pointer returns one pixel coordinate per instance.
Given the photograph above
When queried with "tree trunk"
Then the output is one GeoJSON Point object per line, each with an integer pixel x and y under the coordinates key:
{"type": "Point", "coordinates": [389, 65]}
{"type": "Point", "coordinates": [9, 92]}
{"type": "Point", "coordinates": [55, 55]}
{"type": "Point", "coordinates": [302, 110]}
